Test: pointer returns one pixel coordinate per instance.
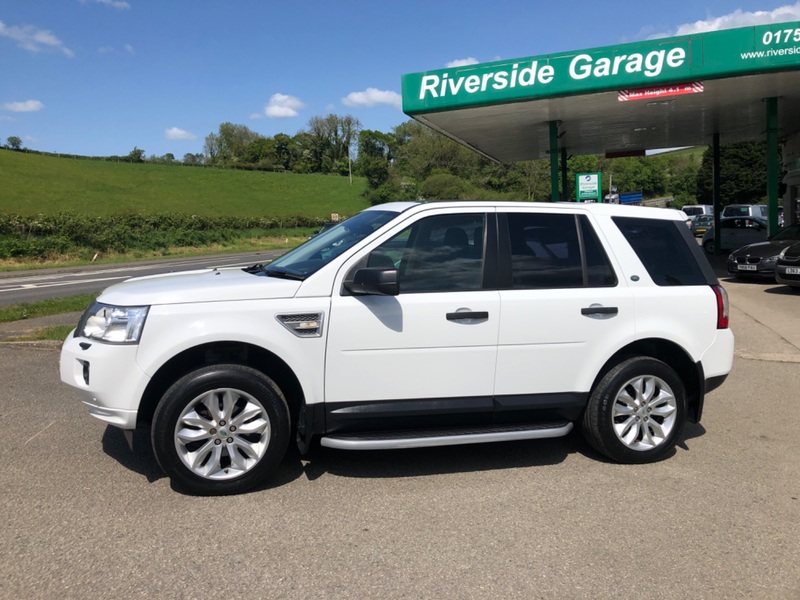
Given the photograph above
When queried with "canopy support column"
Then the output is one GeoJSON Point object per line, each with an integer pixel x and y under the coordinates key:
{"type": "Point", "coordinates": [772, 165]}
{"type": "Point", "coordinates": [564, 187]}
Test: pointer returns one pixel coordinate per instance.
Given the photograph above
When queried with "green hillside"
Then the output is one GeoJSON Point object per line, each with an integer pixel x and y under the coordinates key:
{"type": "Point", "coordinates": [32, 184]}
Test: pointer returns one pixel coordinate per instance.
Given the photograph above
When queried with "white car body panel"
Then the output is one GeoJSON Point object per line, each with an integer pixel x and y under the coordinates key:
{"type": "Point", "coordinates": [389, 347]}
{"type": "Point", "coordinates": [545, 342]}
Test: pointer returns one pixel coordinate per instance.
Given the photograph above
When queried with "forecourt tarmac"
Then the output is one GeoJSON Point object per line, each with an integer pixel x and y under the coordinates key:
{"type": "Point", "coordinates": [84, 517]}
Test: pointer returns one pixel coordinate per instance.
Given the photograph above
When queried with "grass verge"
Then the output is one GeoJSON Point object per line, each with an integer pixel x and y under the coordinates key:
{"type": "Point", "coordinates": [290, 239]}
{"type": "Point", "coordinates": [45, 308]}
{"type": "Point", "coordinates": [57, 333]}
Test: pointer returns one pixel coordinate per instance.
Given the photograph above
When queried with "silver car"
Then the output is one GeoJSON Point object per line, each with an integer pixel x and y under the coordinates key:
{"type": "Point", "coordinates": [701, 223]}
{"type": "Point", "coordinates": [736, 232]}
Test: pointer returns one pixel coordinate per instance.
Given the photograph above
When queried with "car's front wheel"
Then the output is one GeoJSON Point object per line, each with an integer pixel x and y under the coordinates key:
{"type": "Point", "coordinates": [636, 411]}
{"type": "Point", "coordinates": [709, 246]}
{"type": "Point", "coordinates": [222, 429]}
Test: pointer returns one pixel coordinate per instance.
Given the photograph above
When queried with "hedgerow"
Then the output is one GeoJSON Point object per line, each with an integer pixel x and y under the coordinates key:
{"type": "Point", "coordinates": [45, 236]}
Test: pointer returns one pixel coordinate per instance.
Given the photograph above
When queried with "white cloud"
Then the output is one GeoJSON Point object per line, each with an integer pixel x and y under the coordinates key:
{"type": "Point", "coordinates": [120, 4]}
{"type": "Point", "coordinates": [33, 39]}
{"type": "Point", "coordinates": [176, 133]}
{"type": "Point", "coordinates": [110, 49]}
{"type": "Point", "coordinates": [372, 97]}
{"type": "Point", "coordinates": [281, 106]}
{"type": "Point", "coordinates": [26, 106]}
{"type": "Point", "coordinates": [738, 18]}
{"type": "Point", "coordinates": [462, 62]}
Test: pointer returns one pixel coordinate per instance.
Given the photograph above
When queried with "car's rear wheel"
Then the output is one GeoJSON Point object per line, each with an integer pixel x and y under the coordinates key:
{"type": "Point", "coordinates": [709, 246]}
{"type": "Point", "coordinates": [222, 429]}
{"type": "Point", "coordinates": [636, 411]}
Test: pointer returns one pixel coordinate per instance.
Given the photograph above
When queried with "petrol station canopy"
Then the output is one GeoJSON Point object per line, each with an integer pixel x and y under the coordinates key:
{"type": "Point", "coordinates": [618, 100]}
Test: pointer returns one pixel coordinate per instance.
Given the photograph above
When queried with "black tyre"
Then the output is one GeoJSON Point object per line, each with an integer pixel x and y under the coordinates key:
{"type": "Point", "coordinates": [709, 247]}
{"type": "Point", "coordinates": [636, 412]}
{"type": "Point", "coordinates": [222, 429]}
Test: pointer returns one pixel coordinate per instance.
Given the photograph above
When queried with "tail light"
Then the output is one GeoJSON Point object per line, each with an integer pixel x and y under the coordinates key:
{"type": "Point", "coordinates": [723, 308]}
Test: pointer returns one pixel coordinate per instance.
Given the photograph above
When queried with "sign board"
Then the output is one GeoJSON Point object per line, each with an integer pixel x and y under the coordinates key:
{"type": "Point", "coordinates": [588, 186]}
{"type": "Point", "coordinates": [647, 64]}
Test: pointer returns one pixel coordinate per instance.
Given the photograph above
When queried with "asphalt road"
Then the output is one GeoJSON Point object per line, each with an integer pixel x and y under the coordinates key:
{"type": "Point", "coordinates": [83, 517]}
{"type": "Point", "coordinates": [44, 284]}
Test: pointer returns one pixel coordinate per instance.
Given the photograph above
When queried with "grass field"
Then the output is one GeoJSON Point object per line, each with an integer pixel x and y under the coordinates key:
{"type": "Point", "coordinates": [39, 184]}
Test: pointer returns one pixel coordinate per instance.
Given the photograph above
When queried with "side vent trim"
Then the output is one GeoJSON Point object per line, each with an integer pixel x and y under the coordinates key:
{"type": "Point", "coordinates": [303, 325]}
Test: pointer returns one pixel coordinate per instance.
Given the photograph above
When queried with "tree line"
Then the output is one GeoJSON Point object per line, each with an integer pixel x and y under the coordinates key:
{"type": "Point", "coordinates": [415, 162]}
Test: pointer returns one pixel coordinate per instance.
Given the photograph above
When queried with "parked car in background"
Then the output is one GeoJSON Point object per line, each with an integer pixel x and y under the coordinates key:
{"type": "Point", "coordinates": [736, 232]}
{"type": "Point", "coordinates": [693, 210]}
{"type": "Point", "coordinates": [787, 267]}
{"type": "Point", "coordinates": [701, 223]}
{"type": "Point", "coordinates": [746, 210]}
{"type": "Point", "coordinates": [761, 258]}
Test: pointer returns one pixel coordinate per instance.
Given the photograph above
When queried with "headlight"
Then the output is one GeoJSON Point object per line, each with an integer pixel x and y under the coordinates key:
{"type": "Point", "coordinates": [113, 324]}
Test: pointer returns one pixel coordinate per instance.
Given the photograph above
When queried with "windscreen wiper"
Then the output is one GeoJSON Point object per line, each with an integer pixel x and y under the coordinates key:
{"type": "Point", "coordinates": [283, 274]}
{"type": "Point", "coordinates": [256, 268]}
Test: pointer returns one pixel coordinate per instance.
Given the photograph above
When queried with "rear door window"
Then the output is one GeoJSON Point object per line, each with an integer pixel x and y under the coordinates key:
{"type": "Point", "coordinates": [550, 250]}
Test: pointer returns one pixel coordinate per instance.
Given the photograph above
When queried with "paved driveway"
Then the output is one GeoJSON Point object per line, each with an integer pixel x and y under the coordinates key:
{"type": "Point", "coordinates": [84, 517]}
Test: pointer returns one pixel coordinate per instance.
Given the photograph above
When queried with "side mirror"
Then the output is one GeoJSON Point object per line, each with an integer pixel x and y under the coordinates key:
{"type": "Point", "coordinates": [374, 281]}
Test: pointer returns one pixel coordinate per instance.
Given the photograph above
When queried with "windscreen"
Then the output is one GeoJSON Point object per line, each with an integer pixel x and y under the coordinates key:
{"type": "Point", "coordinates": [323, 248]}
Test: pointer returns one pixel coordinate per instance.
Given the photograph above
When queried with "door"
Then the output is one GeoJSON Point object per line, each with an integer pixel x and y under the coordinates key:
{"type": "Point", "coordinates": [563, 309]}
{"type": "Point", "coordinates": [430, 350]}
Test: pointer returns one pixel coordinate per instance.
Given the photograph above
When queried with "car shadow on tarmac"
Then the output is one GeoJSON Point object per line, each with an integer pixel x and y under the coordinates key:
{"type": "Point", "coordinates": [378, 464]}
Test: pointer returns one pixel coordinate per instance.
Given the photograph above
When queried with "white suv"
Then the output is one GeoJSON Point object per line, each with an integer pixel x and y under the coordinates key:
{"type": "Point", "coordinates": [415, 324]}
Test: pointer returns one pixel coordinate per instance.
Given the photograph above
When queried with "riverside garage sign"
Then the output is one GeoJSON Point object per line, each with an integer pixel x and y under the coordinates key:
{"type": "Point", "coordinates": [581, 67]}
{"type": "Point", "coordinates": [709, 55]}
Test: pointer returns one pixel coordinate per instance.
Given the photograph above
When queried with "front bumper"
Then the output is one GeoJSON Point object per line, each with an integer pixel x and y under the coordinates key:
{"type": "Point", "coordinates": [790, 279]}
{"type": "Point", "coordinates": [749, 267]}
{"type": "Point", "coordinates": [107, 377]}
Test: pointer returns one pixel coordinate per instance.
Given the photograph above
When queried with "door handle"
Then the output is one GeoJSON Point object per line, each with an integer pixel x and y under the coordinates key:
{"type": "Point", "coordinates": [467, 315]}
{"type": "Point", "coordinates": [598, 312]}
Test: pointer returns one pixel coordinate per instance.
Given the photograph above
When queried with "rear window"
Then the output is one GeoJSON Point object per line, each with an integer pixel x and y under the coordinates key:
{"type": "Point", "coordinates": [662, 247]}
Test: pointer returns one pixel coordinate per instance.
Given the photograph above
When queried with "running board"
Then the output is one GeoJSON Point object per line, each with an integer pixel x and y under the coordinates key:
{"type": "Point", "coordinates": [445, 437]}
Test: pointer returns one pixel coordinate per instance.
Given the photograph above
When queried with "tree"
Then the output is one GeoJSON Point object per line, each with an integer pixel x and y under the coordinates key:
{"type": "Point", "coordinates": [261, 152]}
{"type": "Point", "coordinates": [285, 150]}
{"type": "Point", "coordinates": [374, 157]}
{"type": "Point", "coordinates": [444, 186]}
{"type": "Point", "coordinates": [535, 178]}
{"type": "Point", "coordinates": [229, 145]}
{"type": "Point", "coordinates": [136, 155]}
{"type": "Point", "coordinates": [14, 142]}
{"type": "Point", "coordinates": [423, 151]}
{"type": "Point", "coordinates": [743, 174]}
{"type": "Point", "coordinates": [332, 139]}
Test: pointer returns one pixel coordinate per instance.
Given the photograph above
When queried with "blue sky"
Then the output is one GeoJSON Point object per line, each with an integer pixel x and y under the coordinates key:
{"type": "Point", "coordinates": [98, 77]}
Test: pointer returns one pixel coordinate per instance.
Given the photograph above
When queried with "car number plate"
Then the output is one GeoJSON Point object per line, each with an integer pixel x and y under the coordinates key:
{"type": "Point", "coordinates": [793, 270]}
{"type": "Point", "coordinates": [747, 267]}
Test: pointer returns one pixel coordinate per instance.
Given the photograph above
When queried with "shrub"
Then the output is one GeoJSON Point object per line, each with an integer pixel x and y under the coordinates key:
{"type": "Point", "coordinates": [44, 236]}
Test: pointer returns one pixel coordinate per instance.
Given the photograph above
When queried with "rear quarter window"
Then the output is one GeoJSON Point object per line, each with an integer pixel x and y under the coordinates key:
{"type": "Point", "coordinates": [663, 247]}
